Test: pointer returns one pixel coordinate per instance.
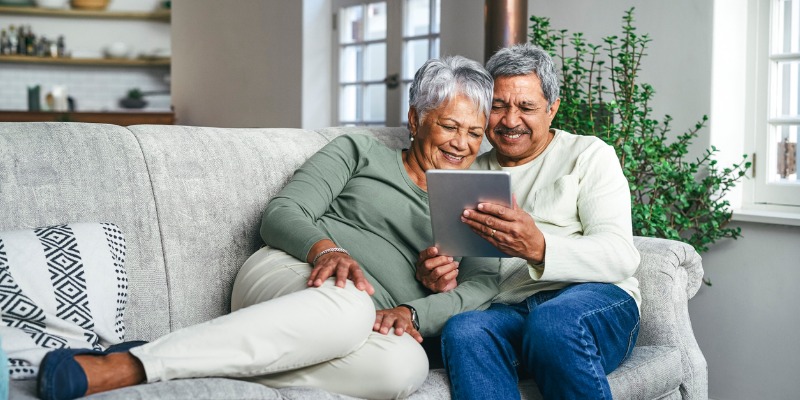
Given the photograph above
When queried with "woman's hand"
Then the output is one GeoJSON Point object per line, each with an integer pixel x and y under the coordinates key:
{"type": "Point", "coordinates": [512, 230]}
{"type": "Point", "coordinates": [435, 272]}
{"type": "Point", "coordinates": [398, 318]}
{"type": "Point", "coordinates": [343, 267]}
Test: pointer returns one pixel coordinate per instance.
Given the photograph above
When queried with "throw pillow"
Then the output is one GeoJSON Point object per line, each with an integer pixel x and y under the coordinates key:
{"type": "Point", "coordinates": [60, 286]}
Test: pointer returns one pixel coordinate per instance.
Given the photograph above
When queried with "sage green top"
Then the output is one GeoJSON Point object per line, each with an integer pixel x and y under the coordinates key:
{"type": "Point", "coordinates": [356, 192]}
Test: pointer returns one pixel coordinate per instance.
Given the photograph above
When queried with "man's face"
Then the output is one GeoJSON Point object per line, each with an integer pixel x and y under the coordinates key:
{"type": "Point", "coordinates": [519, 125]}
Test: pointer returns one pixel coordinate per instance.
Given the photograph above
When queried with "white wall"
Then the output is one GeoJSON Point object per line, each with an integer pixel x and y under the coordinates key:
{"type": "Point", "coordinates": [462, 28]}
{"type": "Point", "coordinates": [237, 63]}
{"type": "Point", "coordinates": [747, 323]}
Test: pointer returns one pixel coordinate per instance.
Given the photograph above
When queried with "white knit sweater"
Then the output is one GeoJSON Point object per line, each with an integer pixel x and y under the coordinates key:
{"type": "Point", "coordinates": [577, 195]}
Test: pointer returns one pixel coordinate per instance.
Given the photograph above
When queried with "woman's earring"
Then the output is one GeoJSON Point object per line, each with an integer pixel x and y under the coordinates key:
{"type": "Point", "coordinates": [412, 138]}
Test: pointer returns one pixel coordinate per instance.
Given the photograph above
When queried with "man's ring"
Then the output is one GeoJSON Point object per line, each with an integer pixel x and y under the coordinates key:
{"type": "Point", "coordinates": [493, 231]}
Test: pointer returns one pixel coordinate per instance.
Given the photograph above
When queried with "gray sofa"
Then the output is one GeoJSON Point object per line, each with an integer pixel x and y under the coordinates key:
{"type": "Point", "coordinates": [189, 200]}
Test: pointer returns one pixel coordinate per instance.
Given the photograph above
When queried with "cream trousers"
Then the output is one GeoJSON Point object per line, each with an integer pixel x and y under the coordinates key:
{"type": "Point", "coordinates": [281, 333]}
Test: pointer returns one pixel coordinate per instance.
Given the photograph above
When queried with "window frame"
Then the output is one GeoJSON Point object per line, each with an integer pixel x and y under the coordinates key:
{"type": "Point", "coordinates": [760, 193]}
{"type": "Point", "coordinates": [396, 100]}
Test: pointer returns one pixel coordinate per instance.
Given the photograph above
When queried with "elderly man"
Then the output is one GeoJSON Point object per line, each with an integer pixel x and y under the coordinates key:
{"type": "Point", "coordinates": [568, 313]}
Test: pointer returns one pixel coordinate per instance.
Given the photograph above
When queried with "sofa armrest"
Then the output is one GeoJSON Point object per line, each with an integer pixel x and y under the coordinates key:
{"type": "Point", "coordinates": [669, 274]}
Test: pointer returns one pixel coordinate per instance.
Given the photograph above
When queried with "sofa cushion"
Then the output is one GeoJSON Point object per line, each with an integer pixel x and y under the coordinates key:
{"type": "Point", "coordinates": [60, 286]}
{"type": "Point", "coordinates": [194, 389]}
{"type": "Point", "coordinates": [210, 187]}
{"type": "Point", "coordinates": [54, 173]}
{"type": "Point", "coordinates": [649, 373]}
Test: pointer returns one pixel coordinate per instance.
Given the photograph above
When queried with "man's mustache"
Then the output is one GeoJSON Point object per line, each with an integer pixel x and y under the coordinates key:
{"type": "Point", "coordinates": [502, 130]}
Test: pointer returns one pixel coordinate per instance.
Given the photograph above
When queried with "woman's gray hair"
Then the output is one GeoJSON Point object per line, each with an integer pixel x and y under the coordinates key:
{"type": "Point", "coordinates": [525, 59]}
{"type": "Point", "coordinates": [442, 79]}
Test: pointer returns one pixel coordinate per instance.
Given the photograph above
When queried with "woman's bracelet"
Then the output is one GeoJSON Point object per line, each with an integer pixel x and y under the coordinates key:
{"type": "Point", "coordinates": [326, 251]}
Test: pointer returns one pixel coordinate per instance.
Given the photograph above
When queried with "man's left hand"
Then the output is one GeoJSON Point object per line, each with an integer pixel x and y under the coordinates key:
{"type": "Point", "coordinates": [512, 230]}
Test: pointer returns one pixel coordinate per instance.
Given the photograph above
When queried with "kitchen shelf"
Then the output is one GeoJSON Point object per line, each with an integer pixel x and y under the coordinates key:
{"type": "Point", "coordinates": [159, 15]}
{"type": "Point", "coordinates": [103, 62]}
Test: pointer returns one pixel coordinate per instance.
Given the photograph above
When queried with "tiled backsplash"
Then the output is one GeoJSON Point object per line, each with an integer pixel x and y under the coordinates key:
{"type": "Point", "coordinates": [92, 88]}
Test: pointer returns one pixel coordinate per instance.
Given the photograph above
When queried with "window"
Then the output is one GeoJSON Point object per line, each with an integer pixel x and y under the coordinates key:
{"type": "Point", "coordinates": [420, 42]}
{"type": "Point", "coordinates": [777, 103]}
{"type": "Point", "coordinates": [380, 45]}
{"type": "Point", "coordinates": [362, 64]}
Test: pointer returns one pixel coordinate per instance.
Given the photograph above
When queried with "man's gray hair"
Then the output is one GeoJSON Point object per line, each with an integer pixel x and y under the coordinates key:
{"type": "Point", "coordinates": [442, 79]}
{"type": "Point", "coordinates": [525, 59]}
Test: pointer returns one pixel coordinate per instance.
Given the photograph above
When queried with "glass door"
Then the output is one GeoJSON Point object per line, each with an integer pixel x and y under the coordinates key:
{"type": "Point", "coordinates": [379, 45]}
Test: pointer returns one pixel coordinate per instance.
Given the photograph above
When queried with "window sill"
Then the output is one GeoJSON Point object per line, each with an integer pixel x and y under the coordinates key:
{"type": "Point", "coordinates": [768, 215]}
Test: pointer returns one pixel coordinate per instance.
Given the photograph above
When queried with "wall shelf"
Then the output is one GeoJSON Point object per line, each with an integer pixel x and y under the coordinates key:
{"type": "Point", "coordinates": [159, 15]}
{"type": "Point", "coordinates": [117, 118]}
{"type": "Point", "coordinates": [102, 62]}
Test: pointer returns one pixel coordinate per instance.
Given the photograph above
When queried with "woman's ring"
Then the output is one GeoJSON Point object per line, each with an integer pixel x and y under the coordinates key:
{"type": "Point", "coordinates": [493, 231]}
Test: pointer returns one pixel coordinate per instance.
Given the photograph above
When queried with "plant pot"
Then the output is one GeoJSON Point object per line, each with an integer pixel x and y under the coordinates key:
{"type": "Point", "coordinates": [90, 4]}
{"type": "Point", "coordinates": [132, 103]}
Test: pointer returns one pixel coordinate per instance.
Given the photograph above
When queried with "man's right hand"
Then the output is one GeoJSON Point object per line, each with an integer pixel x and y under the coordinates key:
{"type": "Point", "coordinates": [435, 272]}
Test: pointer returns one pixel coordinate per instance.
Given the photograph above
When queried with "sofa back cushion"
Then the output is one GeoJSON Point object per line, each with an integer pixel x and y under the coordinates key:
{"type": "Point", "coordinates": [210, 187]}
{"type": "Point", "coordinates": [57, 173]}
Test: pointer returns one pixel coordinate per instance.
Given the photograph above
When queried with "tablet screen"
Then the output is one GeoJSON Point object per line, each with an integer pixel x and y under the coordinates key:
{"type": "Point", "coordinates": [452, 191]}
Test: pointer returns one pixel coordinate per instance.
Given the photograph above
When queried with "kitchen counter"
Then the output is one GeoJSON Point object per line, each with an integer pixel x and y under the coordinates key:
{"type": "Point", "coordinates": [118, 118]}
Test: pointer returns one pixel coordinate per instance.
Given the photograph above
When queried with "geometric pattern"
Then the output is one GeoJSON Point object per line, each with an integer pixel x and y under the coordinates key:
{"type": "Point", "coordinates": [116, 242]}
{"type": "Point", "coordinates": [57, 312]}
{"type": "Point", "coordinates": [20, 369]}
{"type": "Point", "coordinates": [67, 277]}
{"type": "Point", "coordinates": [20, 312]}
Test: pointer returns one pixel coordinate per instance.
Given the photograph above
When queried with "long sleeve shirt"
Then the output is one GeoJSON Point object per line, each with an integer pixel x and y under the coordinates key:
{"type": "Point", "coordinates": [580, 200]}
{"type": "Point", "coordinates": [356, 192]}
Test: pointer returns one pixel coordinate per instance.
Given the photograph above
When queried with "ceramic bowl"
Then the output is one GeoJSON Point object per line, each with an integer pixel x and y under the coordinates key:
{"type": "Point", "coordinates": [117, 50]}
{"type": "Point", "coordinates": [57, 4]}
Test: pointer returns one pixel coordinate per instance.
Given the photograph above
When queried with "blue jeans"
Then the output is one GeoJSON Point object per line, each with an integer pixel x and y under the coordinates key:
{"type": "Point", "coordinates": [568, 340]}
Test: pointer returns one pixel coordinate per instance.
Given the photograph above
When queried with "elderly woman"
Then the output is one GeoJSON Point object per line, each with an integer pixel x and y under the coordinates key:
{"type": "Point", "coordinates": [350, 224]}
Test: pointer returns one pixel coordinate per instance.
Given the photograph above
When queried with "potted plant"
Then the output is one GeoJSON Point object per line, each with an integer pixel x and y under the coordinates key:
{"type": "Point", "coordinates": [672, 197]}
{"type": "Point", "coordinates": [135, 99]}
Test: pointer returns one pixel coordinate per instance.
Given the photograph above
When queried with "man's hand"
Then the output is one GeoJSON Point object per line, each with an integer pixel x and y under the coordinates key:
{"type": "Point", "coordinates": [343, 267]}
{"type": "Point", "coordinates": [512, 230]}
{"type": "Point", "coordinates": [398, 318]}
{"type": "Point", "coordinates": [435, 272]}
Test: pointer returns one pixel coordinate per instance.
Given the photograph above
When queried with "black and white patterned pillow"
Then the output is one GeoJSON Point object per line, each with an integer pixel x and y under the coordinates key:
{"type": "Point", "coordinates": [60, 286]}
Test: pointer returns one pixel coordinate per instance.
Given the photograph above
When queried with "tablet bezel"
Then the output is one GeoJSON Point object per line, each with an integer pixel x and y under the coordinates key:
{"type": "Point", "coordinates": [452, 191]}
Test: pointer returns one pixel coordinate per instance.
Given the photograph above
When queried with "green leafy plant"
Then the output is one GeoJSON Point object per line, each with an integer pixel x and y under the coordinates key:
{"type": "Point", "coordinates": [135, 94]}
{"type": "Point", "coordinates": [600, 95]}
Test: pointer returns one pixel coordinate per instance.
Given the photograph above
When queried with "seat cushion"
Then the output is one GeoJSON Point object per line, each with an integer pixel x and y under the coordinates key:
{"type": "Point", "coordinates": [651, 372]}
{"type": "Point", "coordinates": [192, 389]}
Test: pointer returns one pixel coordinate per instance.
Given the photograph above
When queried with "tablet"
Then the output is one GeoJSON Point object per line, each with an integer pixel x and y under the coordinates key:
{"type": "Point", "coordinates": [452, 191]}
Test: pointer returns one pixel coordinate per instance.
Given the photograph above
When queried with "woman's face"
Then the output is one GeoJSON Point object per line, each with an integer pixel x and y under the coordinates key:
{"type": "Point", "coordinates": [449, 137]}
